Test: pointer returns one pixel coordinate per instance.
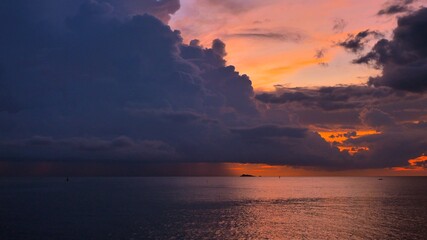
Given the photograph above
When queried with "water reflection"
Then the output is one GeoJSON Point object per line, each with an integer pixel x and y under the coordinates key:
{"type": "Point", "coordinates": [215, 208]}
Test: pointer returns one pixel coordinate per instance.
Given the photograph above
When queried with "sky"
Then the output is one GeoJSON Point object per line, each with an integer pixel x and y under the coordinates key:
{"type": "Point", "coordinates": [207, 87]}
{"type": "Point", "coordinates": [291, 41]}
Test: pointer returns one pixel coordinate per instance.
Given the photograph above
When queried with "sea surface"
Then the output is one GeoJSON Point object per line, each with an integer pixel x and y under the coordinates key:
{"type": "Point", "coordinates": [214, 208]}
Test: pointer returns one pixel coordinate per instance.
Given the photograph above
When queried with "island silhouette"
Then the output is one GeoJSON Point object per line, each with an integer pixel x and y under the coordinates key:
{"type": "Point", "coordinates": [246, 175]}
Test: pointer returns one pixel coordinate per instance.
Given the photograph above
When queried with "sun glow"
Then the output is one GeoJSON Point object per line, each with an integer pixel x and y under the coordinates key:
{"type": "Point", "coordinates": [338, 138]}
{"type": "Point", "coordinates": [416, 164]}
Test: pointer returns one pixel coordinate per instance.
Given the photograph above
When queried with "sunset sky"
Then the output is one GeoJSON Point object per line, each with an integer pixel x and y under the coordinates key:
{"type": "Point", "coordinates": [276, 41]}
{"type": "Point", "coordinates": [213, 87]}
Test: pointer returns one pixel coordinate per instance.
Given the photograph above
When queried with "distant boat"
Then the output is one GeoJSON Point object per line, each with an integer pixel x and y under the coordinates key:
{"type": "Point", "coordinates": [380, 179]}
{"type": "Point", "coordinates": [246, 175]}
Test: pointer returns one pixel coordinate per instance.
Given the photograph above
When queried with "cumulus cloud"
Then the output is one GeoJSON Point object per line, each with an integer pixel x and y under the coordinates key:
{"type": "Point", "coordinates": [104, 85]}
{"type": "Point", "coordinates": [403, 59]}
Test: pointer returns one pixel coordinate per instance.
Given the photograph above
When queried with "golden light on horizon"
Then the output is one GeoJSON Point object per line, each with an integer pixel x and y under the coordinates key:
{"type": "Point", "coordinates": [416, 164]}
{"type": "Point", "coordinates": [266, 170]}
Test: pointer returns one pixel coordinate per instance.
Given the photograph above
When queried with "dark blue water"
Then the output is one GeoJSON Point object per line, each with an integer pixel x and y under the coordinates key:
{"type": "Point", "coordinates": [213, 208]}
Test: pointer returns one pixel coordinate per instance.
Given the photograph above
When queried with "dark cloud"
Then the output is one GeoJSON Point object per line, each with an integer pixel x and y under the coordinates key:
{"type": "Point", "coordinates": [384, 109]}
{"type": "Point", "coordinates": [121, 148]}
{"type": "Point", "coordinates": [329, 107]}
{"type": "Point", "coordinates": [356, 43]}
{"type": "Point", "coordinates": [92, 77]}
{"type": "Point", "coordinates": [54, 12]}
{"type": "Point", "coordinates": [106, 86]}
{"type": "Point", "coordinates": [403, 59]}
{"type": "Point", "coordinates": [393, 9]}
{"type": "Point", "coordinates": [99, 84]}
{"type": "Point", "coordinates": [235, 90]}
{"type": "Point", "coordinates": [328, 98]}
{"type": "Point", "coordinates": [361, 107]}
{"type": "Point", "coordinates": [162, 9]}
{"type": "Point", "coordinates": [270, 131]}
{"type": "Point", "coordinates": [400, 6]}
{"type": "Point", "coordinates": [418, 125]}
{"type": "Point", "coordinates": [393, 147]}
{"type": "Point", "coordinates": [376, 118]}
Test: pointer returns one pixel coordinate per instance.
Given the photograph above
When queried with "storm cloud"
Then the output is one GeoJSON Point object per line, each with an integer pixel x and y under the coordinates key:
{"type": "Point", "coordinates": [389, 112]}
{"type": "Point", "coordinates": [403, 59]}
{"type": "Point", "coordinates": [111, 86]}
{"type": "Point", "coordinates": [110, 81]}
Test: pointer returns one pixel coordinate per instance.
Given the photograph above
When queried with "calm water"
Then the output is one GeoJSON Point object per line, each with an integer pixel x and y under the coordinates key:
{"type": "Point", "coordinates": [213, 208]}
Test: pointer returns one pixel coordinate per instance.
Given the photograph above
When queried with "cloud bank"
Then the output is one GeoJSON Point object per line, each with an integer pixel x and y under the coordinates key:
{"type": "Point", "coordinates": [110, 81]}
{"type": "Point", "coordinates": [108, 85]}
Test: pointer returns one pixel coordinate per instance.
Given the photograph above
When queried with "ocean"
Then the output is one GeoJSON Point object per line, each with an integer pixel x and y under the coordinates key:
{"type": "Point", "coordinates": [214, 208]}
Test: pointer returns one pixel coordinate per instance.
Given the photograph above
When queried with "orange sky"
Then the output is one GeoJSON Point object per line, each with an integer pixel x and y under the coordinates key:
{"type": "Point", "coordinates": [338, 137]}
{"type": "Point", "coordinates": [264, 170]}
{"type": "Point", "coordinates": [296, 32]}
